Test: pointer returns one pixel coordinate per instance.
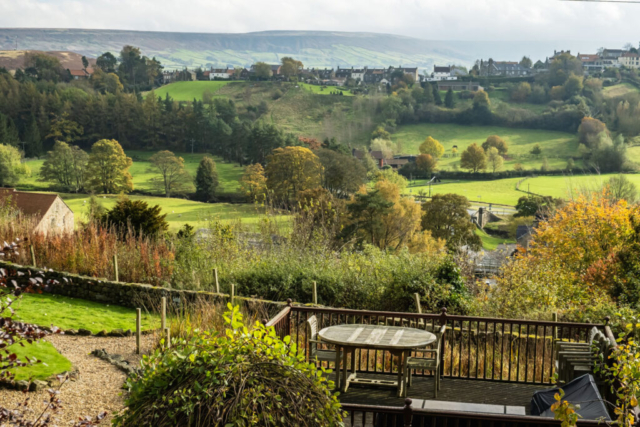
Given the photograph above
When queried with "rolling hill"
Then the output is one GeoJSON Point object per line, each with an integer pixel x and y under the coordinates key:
{"type": "Point", "coordinates": [313, 48]}
{"type": "Point", "coordinates": [14, 59]}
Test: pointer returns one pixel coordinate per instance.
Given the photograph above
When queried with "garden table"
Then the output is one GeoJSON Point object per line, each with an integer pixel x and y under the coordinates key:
{"type": "Point", "coordinates": [399, 341]}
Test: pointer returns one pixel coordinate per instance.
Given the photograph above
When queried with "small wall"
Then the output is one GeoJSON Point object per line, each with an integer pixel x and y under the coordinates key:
{"type": "Point", "coordinates": [131, 295]}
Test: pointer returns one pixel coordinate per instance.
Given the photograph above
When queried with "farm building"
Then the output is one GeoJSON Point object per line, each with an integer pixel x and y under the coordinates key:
{"type": "Point", "coordinates": [51, 213]}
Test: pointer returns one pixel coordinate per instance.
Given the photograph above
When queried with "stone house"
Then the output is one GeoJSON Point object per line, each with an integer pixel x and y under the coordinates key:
{"type": "Point", "coordinates": [51, 213]}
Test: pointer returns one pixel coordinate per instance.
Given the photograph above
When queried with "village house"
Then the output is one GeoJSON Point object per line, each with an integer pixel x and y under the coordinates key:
{"type": "Point", "coordinates": [221, 73]}
{"type": "Point", "coordinates": [82, 74]}
{"type": "Point", "coordinates": [589, 62]}
{"type": "Point", "coordinates": [441, 73]}
{"type": "Point", "coordinates": [629, 60]}
{"type": "Point", "coordinates": [50, 212]}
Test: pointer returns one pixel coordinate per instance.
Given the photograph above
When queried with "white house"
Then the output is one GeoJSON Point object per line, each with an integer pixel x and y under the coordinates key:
{"type": "Point", "coordinates": [220, 73]}
{"type": "Point", "coordinates": [440, 74]}
{"type": "Point", "coordinates": [358, 74]}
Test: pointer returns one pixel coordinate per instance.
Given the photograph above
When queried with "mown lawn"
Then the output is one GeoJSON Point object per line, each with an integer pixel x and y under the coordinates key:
{"type": "Point", "coordinates": [317, 89]}
{"type": "Point", "coordinates": [556, 146]}
{"type": "Point", "coordinates": [502, 191]}
{"type": "Point", "coordinates": [73, 313]}
{"type": "Point", "coordinates": [490, 243]}
{"type": "Point", "coordinates": [188, 91]}
{"type": "Point", "coordinates": [569, 187]}
{"type": "Point", "coordinates": [53, 363]}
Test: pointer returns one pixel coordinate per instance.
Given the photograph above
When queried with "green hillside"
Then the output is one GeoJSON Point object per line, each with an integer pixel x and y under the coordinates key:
{"type": "Point", "coordinates": [556, 146]}
{"type": "Point", "coordinates": [188, 91]}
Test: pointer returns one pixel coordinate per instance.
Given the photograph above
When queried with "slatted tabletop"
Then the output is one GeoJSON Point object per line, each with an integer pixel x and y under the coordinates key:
{"type": "Point", "coordinates": [377, 337]}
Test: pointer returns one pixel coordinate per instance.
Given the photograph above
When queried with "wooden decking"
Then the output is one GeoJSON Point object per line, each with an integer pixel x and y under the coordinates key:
{"type": "Point", "coordinates": [453, 390]}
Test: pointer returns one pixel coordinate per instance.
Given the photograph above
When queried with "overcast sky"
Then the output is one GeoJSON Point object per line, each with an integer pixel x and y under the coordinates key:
{"type": "Point", "coordinates": [426, 19]}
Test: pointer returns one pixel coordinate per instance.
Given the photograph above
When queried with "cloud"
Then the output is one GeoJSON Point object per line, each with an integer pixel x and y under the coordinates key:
{"type": "Point", "coordinates": [427, 19]}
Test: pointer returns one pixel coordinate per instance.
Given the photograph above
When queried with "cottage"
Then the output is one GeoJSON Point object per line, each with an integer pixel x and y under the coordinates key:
{"type": "Point", "coordinates": [221, 73]}
{"type": "Point", "coordinates": [629, 60]}
{"type": "Point", "coordinates": [81, 74]}
{"type": "Point", "coordinates": [590, 62]}
{"type": "Point", "coordinates": [51, 213]}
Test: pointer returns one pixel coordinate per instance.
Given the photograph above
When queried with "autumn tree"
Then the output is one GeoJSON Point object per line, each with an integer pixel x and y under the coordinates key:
{"type": "Point", "coordinates": [108, 168]}
{"type": "Point", "coordinates": [342, 174]}
{"type": "Point", "coordinates": [290, 67]}
{"type": "Point", "coordinates": [481, 100]}
{"type": "Point", "coordinates": [432, 147]}
{"type": "Point", "coordinates": [473, 158]}
{"type": "Point", "coordinates": [253, 183]}
{"type": "Point", "coordinates": [426, 163]}
{"type": "Point", "coordinates": [494, 159]}
{"type": "Point", "coordinates": [173, 178]}
{"type": "Point", "coordinates": [206, 180]}
{"type": "Point", "coordinates": [497, 142]}
{"type": "Point", "coordinates": [573, 85]}
{"type": "Point", "coordinates": [11, 166]}
{"type": "Point", "coordinates": [445, 216]}
{"type": "Point", "coordinates": [65, 165]}
{"type": "Point", "coordinates": [521, 92]}
{"type": "Point", "coordinates": [262, 71]}
{"type": "Point", "coordinates": [63, 129]}
{"type": "Point", "coordinates": [590, 130]}
{"type": "Point", "coordinates": [291, 170]}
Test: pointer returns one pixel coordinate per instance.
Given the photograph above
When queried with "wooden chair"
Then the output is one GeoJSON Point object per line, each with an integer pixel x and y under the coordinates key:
{"type": "Point", "coordinates": [322, 354]}
{"type": "Point", "coordinates": [427, 363]}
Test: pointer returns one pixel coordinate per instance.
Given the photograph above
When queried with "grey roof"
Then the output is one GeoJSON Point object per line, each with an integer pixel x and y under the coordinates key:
{"type": "Point", "coordinates": [522, 231]}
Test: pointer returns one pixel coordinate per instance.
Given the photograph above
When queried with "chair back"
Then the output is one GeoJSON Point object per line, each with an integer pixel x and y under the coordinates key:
{"type": "Point", "coordinates": [439, 337]}
{"type": "Point", "coordinates": [312, 335]}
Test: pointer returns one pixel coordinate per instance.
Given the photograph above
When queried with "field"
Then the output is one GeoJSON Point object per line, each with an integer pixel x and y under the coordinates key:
{"type": "Point", "coordinates": [229, 174]}
{"type": "Point", "coordinates": [556, 146]}
{"type": "Point", "coordinates": [502, 191]}
{"type": "Point", "coordinates": [188, 91]}
{"type": "Point", "coordinates": [490, 243]}
{"type": "Point", "coordinates": [619, 90]}
{"type": "Point", "coordinates": [319, 90]}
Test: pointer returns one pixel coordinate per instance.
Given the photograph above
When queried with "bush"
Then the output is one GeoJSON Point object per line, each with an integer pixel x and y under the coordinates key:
{"type": "Point", "coordinates": [238, 378]}
{"type": "Point", "coordinates": [137, 217]}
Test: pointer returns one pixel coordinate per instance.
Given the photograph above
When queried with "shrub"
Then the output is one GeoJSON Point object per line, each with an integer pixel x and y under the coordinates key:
{"type": "Point", "coordinates": [137, 217]}
{"type": "Point", "coordinates": [238, 378]}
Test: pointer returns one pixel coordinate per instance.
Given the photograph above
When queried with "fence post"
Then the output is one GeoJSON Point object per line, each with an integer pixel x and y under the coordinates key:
{"type": "Point", "coordinates": [115, 266]}
{"type": "Point", "coordinates": [315, 292]}
{"type": "Point", "coordinates": [167, 338]}
{"type": "Point", "coordinates": [554, 318]}
{"type": "Point", "coordinates": [408, 413]}
{"type": "Point", "coordinates": [138, 329]}
{"type": "Point", "coordinates": [233, 293]}
{"type": "Point", "coordinates": [443, 322]}
{"type": "Point", "coordinates": [289, 301]}
{"type": "Point", "coordinates": [33, 256]}
{"type": "Point", "coordinates": [215, 273]}
{"type": "Point", "coordinates": [163, 314]}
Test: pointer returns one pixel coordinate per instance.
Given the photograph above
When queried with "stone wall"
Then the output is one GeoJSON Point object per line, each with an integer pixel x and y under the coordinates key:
{"type": "Point", "coordinates": [132, 295]}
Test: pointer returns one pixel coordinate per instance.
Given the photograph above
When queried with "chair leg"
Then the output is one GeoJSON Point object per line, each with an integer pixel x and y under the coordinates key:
{"type": "Point", "coordinates": [410, 378]}
{"type": "Point", "coordinates": [436, 384]}
{"type": "Point", "coordinates": [353, 361]}
{"type": "Point", "coordinates": [337, 368]}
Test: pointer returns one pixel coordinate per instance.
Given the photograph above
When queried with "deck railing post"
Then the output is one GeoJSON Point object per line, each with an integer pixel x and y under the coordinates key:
{"type": "Point", "coordinates": [289, 302]}
{"type": "Point", "coordinates": [408, 413]}
{"type": "Point", "coordinates": [443, 322]}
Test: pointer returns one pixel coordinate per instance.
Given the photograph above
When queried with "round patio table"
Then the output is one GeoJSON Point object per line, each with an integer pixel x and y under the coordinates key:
{"type": "Point", "coordinates": [397, 340]}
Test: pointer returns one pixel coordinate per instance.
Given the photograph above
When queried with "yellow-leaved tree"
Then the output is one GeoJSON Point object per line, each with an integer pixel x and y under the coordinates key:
{"type": "Point", "coordinates": [432, 147]}
{"type": "Point", "coordinates": [108, 168]}
{"type": "Point", "coordinates": [291, 170]}
{"type": "Point", "coordinates": [253, 183]}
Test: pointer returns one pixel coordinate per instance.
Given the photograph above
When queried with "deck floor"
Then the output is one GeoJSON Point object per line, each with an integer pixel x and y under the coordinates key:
{"type": "Point", "coordinates": [451, 389]}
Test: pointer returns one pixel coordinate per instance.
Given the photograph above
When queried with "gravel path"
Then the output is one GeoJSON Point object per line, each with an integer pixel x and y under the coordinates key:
{"type": "Point", "coordinates": [99, 383]}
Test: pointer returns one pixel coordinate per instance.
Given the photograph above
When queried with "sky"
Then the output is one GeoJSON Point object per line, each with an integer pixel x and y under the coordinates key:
{"type": "Point", "coordinates": [425, 19]}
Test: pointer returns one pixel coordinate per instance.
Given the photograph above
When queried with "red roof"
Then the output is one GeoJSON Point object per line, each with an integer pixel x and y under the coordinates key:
{"type": "Point", "coordinates": [588, 58]}
{"type": "Point", "coordinates": [36, 204]}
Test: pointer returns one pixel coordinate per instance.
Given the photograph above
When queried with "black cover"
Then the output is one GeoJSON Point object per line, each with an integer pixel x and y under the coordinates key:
{"type": "Point", "coordinates": [581, 391]}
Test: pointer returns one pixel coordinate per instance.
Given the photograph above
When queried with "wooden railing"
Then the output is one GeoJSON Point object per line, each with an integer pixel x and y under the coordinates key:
{"type": "Point", "coordinates": [389, 416]}
{"type": "Point", "coordinates": [492, 349]}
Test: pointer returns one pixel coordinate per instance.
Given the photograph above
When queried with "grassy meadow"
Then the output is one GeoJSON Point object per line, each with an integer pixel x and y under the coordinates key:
{"type": "Point", "coordinates": [619, 90]}
{"type": "Point", "coordinates": [319, 90]}
{"type": "Point", "coordinates": [502, 191]}
{"type": "Point", "coordinates": [188, 91]}
{"type": "Point", "coordinates": [556, 146]}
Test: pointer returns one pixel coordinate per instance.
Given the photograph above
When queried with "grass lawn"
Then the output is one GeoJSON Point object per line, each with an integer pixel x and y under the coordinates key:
{"type": "Point", "coordinates": [53, 363]}
{"type": "Point", "coordinates": [568, 187]}
{"type": "Point", "coordinates": [490, 243]}
{"type": "Point", "coordinates": [318, 90]}
{"type": "Point", "coordinates": [187, 91]}
{"type": "Point", "coordinates": [179, 211]}
{"type": "Point", "coordinates": [556, 146]}
{"type": "Point", "coordinates": [501, 191]}
{"type": "Point", "coordinates": [74, 313]}
{"type": "Point", "coordinates": [228, 173]}
{"type": "Point", "coordinates": [619, 90]}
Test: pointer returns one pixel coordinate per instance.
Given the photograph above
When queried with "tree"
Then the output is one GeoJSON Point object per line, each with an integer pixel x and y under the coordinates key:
{"type": "Point", "coordinates": [536, 150]}
{"type": "Point", "coordinates": [432, 147]}
{"type": "Point", "coordinates": [342, 174]}
{"type": "Point", "coordinates": [137, 217]}
{"type": "Point", "coordinates": [253, 183]}
{"type": "Point", "coordinates": [532, 205]}
{"type": "Point", "coordinates": [557, 93]}
{"type": "Point", "coordinates": [497, 142]}
{"type": "Point", "coordinates": [107, 62]}
{"type": "Point", "coordinates": [426, 163]}
{"type": "Point", "coordinates": [173, 177]}
{"type": "Point", "coordinates": [386, 146]}
{"type": "Point", "coordinates": [206, 180]}
{"type": "Point", "coordinates": [106, 82]}
{"type": "Point", "coordinates": [562, 67]}
{"type": "Point", "coordinates": [108, 168]}
{"type": "Point", "coordinates": [570, 165]}
{"type": "Point", "coordinates": [436, 94]}
{"type": "Point", "coordinates": [545, 165]}
{"type": "Point", "coordinates": [473, 158]}
{"type": "Point", "coordinates": [589, 131]}
{"type": "Point", "coordinates": [41, 66]}
{"type": "Point", "coordinates": [85, 63]}
{"type": "Point", "coordinates": [66, 166]}
{"type": "Point", "coordinates": [31, 139]}
{"type": "Point", "coordinates": [262, 71]}
{"type": "Point", "coordinates": [619, 187]}
{"type": "Point", "coordinates": [494, 159]}
{"type": "Point", "coordinates": [573, 85]}
{"type": "Point", "coordinates": [63, 129]}
{"type": "Point", "coordinates": [380, 133]}
{"type": "Point", "coordinates": [445, 216]}
{"type": "Point", "coordinates": [291, 170]}
{"type": "Point", "coordinates": [526, 62]}
{"type": "Point", "coordinates": [290, 67]}
{"type": "Point", "coordinates": [521, 92]}
{"type": "Point", "coordinates": [11, 167]}
{"type": "Point", "coordinates": [449, 100]}
{"type": "Point", "coordinates": [481, 100]}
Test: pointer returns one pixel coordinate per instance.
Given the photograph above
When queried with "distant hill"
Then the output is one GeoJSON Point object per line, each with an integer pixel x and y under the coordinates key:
{"type": "Point", "coordinates": [14, 59]}
{"type": "Point", "coordinates": [313, 48]}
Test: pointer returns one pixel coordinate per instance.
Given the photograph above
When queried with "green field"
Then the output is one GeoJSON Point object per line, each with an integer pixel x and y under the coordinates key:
{"type": "Point", "coordinates": [188, 91]}
{"type": "Point", "coordinates": [319, 90]}
{"type": "Point", "coordinates": [619, 90]}
{"type": "Point", "coordinates": [502, 191]}
{"type": "Point", "coordinates": [489, 242]}
{"type": "Point", "coordinates": [556, 146]}
{"type": "Point", "coordinates": [228, 173]}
